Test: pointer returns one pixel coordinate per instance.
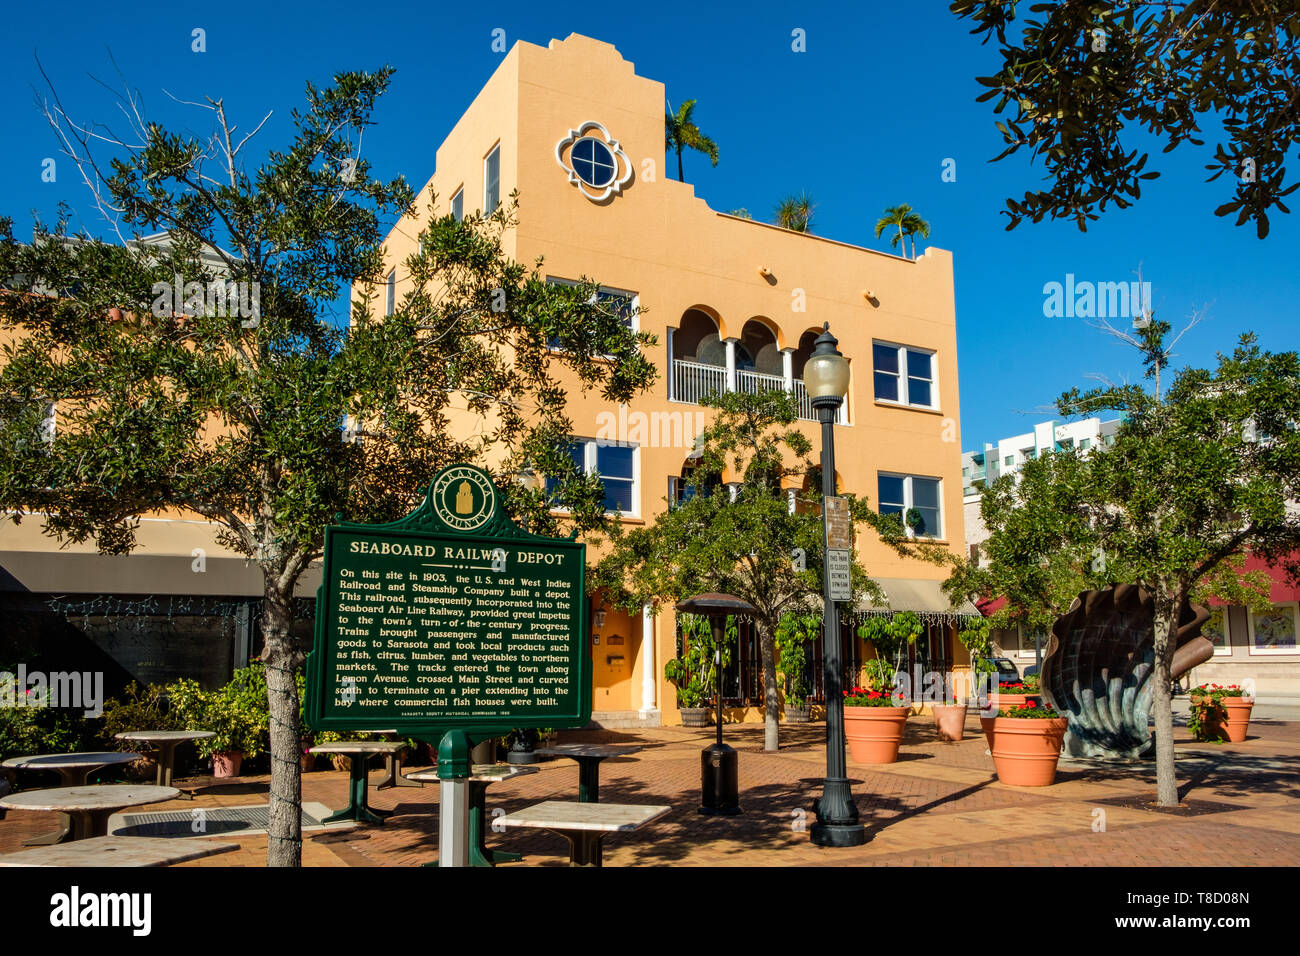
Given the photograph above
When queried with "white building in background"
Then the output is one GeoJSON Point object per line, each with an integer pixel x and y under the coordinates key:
{"type": "Point", "coordinates": [1008, 455]}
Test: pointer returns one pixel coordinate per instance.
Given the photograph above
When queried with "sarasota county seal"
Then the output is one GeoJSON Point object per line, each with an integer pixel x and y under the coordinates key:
{"type": "Point", "coordinates": [463, 497]}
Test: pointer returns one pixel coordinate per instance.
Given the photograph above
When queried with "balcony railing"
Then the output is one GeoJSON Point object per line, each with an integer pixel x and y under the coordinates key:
{"type": "Point", "coordinates": [692, 381]}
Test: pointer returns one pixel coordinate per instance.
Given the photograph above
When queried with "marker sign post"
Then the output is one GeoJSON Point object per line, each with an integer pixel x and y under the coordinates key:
{"type": "Point", "coordinates": [451, 621]}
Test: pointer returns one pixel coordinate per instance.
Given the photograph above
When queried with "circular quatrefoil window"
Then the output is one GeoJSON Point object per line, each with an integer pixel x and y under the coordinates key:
{"type": "Point", "coordinates": [595, 162]}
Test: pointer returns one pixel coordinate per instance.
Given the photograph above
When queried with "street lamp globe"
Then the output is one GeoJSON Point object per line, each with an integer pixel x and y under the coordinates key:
{"type": "Point", "coordinates": [826, 373]}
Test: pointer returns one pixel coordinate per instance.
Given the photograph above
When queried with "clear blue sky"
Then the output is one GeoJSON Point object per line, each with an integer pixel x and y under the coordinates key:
{"type": "Point", "coordinates": [862, 120]}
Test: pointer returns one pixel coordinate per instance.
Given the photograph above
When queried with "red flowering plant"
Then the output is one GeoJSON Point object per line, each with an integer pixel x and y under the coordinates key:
{"type": "Point", "coordinates": [870, 697]}
{"type": "Point", "coordinates": [1012, 687]}
{"type": "Point", "coordinates": [1205, 721]}
{"type": "Point", "coordinates": [1032, 708]}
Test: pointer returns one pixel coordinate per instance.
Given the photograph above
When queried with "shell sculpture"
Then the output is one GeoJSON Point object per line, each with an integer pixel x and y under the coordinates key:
{"type": "Point", "coordinates": [1098, 669]}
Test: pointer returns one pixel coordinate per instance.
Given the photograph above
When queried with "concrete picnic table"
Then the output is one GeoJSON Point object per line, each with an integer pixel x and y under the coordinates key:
{"type": "Point", "coordinates": [166, 741]}
{"type": "Point", "coordinates": [89, 807]}
{"type": "Point", "coordinates": [359, 751]}
{"type": "Point", "coordinates": [118, 851]}
{"type": "Point", "coordinates": [589, 757]}
{"type": "Point", "coordinates": [482, 776]}
{"type": "Point", "coordinates": [393, 777]}
{"type": "Point", "coordinates": [584, 825]}
{"type": "Point", "coordinates": [74, 770]}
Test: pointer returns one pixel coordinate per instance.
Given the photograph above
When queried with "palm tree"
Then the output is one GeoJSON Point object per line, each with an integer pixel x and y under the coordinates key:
{"type": "Point", "coordinates": [908, 224]}
{"type": "Point", "coordinates": [914, 224]}
{"type": "Point", "coordinates": [795, 212]}
{"type": "Point", "coordinates": [681, 133]}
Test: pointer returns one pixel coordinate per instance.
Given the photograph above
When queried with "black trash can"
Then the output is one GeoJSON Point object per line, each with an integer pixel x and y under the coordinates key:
{"type": "Point", "coordinates": [720, 780]}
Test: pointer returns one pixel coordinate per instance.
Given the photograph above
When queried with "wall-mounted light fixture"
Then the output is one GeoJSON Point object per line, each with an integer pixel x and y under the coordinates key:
{"type": "Point", "coordinates": [764, 271]}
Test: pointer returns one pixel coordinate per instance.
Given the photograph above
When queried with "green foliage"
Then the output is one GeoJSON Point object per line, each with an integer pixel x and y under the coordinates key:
{"type": "Point", "coordinates": [794, 632]}
{"type": "Point", "coordinates": [1032, 709]}
{"type": "Point", "coordinates": [795, 212]}
{"type": "Point", "coordinates": [1081, 74]}
{"type": "Point", "coordinates": [35, 727]}
{"type": "Point", "coordinates": [237, 713]}
{"type": "Point", "coordinates": [139, 708]}
{"type": "Point", "coordinates": [241, 420]}
{"type": "Point", "coordinates": [680, 132]}
{"type": "Point", "coordinates": [889, 634]}
{"type": "Point", "coordinates": [976, 637]}
{"type": "Point", "coordinates": [908, 223]}
{"type": "Point", "coordinates": [694, 672]}
{"type": "Point", "coordinates": [743, 546]}
{"type": "Point", "coordinates": [1205, 719]}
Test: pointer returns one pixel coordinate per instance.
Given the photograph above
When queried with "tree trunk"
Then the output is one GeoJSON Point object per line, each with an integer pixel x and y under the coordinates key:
{"type": "Point", "coordinates": [679, 165]}
{"type": "Point", "coordinates": [771, 700]}
{"type": "Point", "coordinates": [1166, 628]}
{"type": "Point", "coordinates": [282, 659]}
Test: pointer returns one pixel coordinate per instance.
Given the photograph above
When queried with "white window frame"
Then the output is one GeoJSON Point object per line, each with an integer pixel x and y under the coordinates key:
{"type": "Point", "coordinates": [1294, 607]}
{"type": "Point", "coordinates": [904, 399]}
{"type": "Point", "coordinates": [495, 151]}
{"type": "Point", "coordinates": [1025, 643]}
{"type": "Point", "coordinates": [390, 293]}
{"type": "Point", "coordinates": [1226, 619]}
{"type": "Point", "coordinates": [589, 446]}
{"type": "Point", "coordinates": [458, 195]}
{"type": "Point", "coordinates": [908, 500]}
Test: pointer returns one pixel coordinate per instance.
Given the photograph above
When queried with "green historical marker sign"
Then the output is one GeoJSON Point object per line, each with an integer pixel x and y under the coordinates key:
{"type": "Point", "coordinates": [452, 618]}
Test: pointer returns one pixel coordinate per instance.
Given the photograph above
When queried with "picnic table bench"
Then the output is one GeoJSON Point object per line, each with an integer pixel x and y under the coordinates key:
{"type": "Point", "coordinates": [584, 825]}
{"type": "Point", "coordinates": [589, 757]}
{"type": "Point", "coordinates": [89, 807]}
{"type": "Point", "coordinates": [118, 851]}
{"type": "Point", "coordinates": [166, 741]}
{"type": "Point", "coordinates": [481, 777]}
{"type": "Point", "coordinates": [359, 751]}
{"type": "Point", "coordinates": [74, 770]}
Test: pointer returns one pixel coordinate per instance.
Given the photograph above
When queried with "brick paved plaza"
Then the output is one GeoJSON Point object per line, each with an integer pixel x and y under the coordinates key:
{"type": "Point", "coordinates": [940, 804]}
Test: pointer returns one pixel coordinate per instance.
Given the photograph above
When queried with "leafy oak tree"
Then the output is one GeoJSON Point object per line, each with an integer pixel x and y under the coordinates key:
{"type": "Point", "coordinates": [239, 418]}
{"type": "Point", "coordinates": [743, 545]}
{"type": "Point", "coordinates": [1081, 74]}
{"type": "Point", "coordinates": [1197, 477]}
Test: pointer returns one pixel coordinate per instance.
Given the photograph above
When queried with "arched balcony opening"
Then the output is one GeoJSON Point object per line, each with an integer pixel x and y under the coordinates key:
{"type": "Point", "coordinates": [705, 358]}
{"type": "Point", "coordinates": [698, 363]}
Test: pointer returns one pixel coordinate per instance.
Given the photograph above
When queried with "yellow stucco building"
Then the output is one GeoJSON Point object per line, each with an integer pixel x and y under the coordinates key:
{"type": "Point", "coordinates": [733, 304]}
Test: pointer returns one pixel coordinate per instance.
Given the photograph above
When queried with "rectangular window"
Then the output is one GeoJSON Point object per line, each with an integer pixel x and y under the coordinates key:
{"type": "Point", "coordinates": [390, 293]}
{"type": "Point", "coordinates": [622, 302]}
{"type": "Point", "coordinates": [915, 499]}
{"type": "Point", "coordinates": [1215, 630]}
{"type": "Point", "coordinates": [904, 375]}
{"type": "Point", "coordinates": [1085, 444]}
{"type": "Point", "coordinates": [458, 205]}
{"type": "Point", "coordinates": [1026, 648]}
{"type": "Point", "coordinates": [492, 180]}
{"type": "Point", "coordinates": [1009, 460]}
{"type": "Point", "coordinates": [615, 463]}
{"type": "Point", "coordinates": [1274, 631]}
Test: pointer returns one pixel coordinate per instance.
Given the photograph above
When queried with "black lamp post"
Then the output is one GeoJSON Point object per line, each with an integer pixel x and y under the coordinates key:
{"type": "Point", "coordinates": [719, 771]}
{"type": "Point", "coordinates": [826, 376]}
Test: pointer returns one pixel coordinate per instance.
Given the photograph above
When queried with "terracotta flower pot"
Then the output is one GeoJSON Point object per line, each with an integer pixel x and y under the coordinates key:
{"type": "Point", "coordinates": [1026, 750]}
{"type": "Point", "coordinates": [307, 761]}
{"type": "Point", "coordinates": [226, 763]}
{"type": "Point", "coordinates": [950, 719]}
{"type": "Point", "coordinates": [1000, 702]}
{"type": "Point", "coordinates": [874, 733]}
{"type": "Point", "coordinates": [1233, 727]}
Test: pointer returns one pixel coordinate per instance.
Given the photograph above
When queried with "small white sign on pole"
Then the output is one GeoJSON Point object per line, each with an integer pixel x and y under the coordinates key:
{"type": "Point", "coordinates": [838, 576]}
